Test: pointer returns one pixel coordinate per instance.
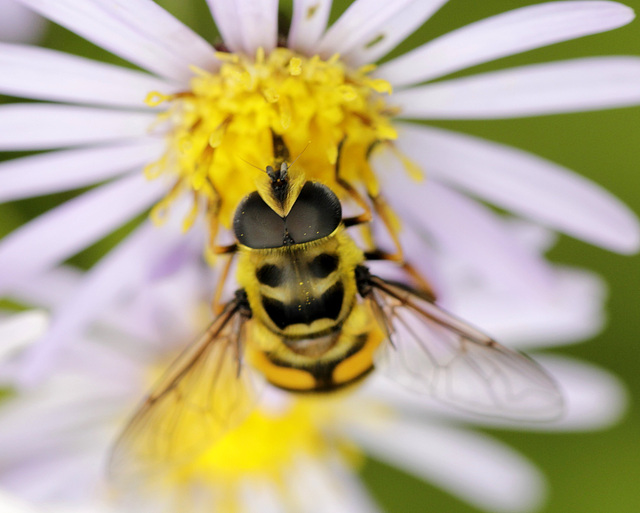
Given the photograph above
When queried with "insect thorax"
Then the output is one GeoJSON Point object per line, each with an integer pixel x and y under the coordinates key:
{"type": "Point", "coordinates": [304, 288]}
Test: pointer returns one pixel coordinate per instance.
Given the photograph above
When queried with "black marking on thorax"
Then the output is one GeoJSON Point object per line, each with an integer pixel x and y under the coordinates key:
{"type": "Point", "coordinates": [270, 275]}
{"type": "Point", "coordinates": [323, 265]}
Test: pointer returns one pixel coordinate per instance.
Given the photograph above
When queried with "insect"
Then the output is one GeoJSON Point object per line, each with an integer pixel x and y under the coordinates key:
{"type": "Point", "coordinates": [311, 318]}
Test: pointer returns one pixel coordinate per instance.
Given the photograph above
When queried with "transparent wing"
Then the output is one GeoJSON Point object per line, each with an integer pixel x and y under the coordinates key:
{"type": "Point", "coordinates": [202, 395]}
{"type": "Point", "coordinates": [434, 353]}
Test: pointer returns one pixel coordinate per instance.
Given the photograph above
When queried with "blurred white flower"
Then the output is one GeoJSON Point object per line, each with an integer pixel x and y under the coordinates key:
{"type": "Point", "coordinates": [19, 24]}
{"type": "Point", "coordinates": [293, 452]}
{"type": "Point", "coordinates": [206, 108]}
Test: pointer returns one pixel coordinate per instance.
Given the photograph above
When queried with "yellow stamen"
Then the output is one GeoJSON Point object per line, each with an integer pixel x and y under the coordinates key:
{"type": "Point", "coordinates": [230, 116]}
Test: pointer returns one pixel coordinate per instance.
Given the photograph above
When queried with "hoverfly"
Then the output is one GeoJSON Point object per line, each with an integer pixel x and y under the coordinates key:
{"type": "Point", "coordinates": [310, 317]}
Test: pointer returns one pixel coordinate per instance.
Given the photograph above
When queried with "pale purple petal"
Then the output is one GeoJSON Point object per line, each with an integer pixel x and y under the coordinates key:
{"type": "Point", "coordinates": [462, 228]}
{"type": "Point", "coordinates": [525, 184]}
{"type": "Point", "coordinates": [507, 33]}
{"type": "Point", "coordinates": [594, 397]}
{"type": "Point", "coordinates": [564, 86]}
{"type": "Point", "coordinates": [50, 288]}
{"type": "Point", "coordinates": [55, 478]}
{"type": "Point", "coordinates": [471, 466]}
{"type": "Point", "coordinates": [121, 271]}
{"type": "Point", "coordinates": [73, 429]}
{"type": "Point", "coordinates": [26, 126]}
{"type": "Point", "coordinates": [69, 402]}
{"type": "Point", "coordinates": [70, 169]}
{"type": "Point", "coordinates": [308, 23]}
{"type": "Point", "coordinates": [19, 24]}
{"type": "Point", "coordinates": [532, 235]}
{"type": "Point", "coordinates": [155, 310]}
{"type": "Point", "coordinates": [31, 72]}
{"type": "Point", "coordinates": [141, 32]}
{"type": "Point", "coordinates": [72, 226]}
{"type": "Point", "coordinates": [246, 25]}
{"type": "Point", "coordinates": [570, 311]}
{"type": "Point", "coordinates": [369, 29]}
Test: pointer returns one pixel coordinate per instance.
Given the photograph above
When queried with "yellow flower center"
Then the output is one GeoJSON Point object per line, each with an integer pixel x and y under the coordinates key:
{"type": "Point", "coordinates": [264, 450]}
{"type": "Point", "coordinates": [225, 124]}
{"type": "Point", "coordinates": [263, 445]}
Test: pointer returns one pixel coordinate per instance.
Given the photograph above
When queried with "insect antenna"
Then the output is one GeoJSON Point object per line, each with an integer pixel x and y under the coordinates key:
{"type": "Point", "coordinates": [251, 164]}
{"type": "Point", "coordinates": [289, 166]}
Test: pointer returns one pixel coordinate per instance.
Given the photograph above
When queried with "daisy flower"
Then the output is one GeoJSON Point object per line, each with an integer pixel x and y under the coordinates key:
{"type": "Point", "coordinates": [180, 133]}
{"type": "Point", "coordinates": [293, 453]}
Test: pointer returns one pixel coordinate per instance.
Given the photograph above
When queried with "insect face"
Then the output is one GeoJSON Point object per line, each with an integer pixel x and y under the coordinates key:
{"type": "Point", "coordinates": [314, 214]}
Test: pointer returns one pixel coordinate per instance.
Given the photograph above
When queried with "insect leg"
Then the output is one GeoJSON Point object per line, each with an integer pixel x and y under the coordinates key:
{"type": "Point", "coordinates": [216, 305]}
{"type": "Point", "coordinates": [421, 281]}
{"type": "Point", "coordinates": [215, 249]}
{"type": "Point", "coordinates": [382, 210]}
{"type": "Point", "coordinates": [366, 216]}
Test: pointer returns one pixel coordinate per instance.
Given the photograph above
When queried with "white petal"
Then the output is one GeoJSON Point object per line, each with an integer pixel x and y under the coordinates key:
{"type": "Point", "coordinates": [70, 434]}
{"type": "Point", "coordinates": [317, 486]}
{"type": "Point", "coordinates": [369, 29]}
{"type": "Point", "coordinates": [70, 169]}
{"type": "Point", "coordinates": [462, 229]}
{"type": "Point", "coordinates": [471, 466]}
{"type": "Point", "coordinates": [72, 226]}
{"type": "Point", "coordinates": [247, 25]}
{"type": "Point", "coordinates": [564, 86]}
{"type": "Point", "coordinates": [525, 184]}
{"type": "Point", "coordinates": [20, 330]}
{"type": "Point", "coordinates": [121, 271]}
{"type": "Point", "coordinates": [19, 24]}
{"type": "Point", "coordinates": [43, 74]}
{"type": "Point", "coordinates": [68, 403]}
{"type": "Point", "coordinates": [356, 498]}
{"type": "Point", "coordinates": [48, 479]}
{"type": "Point", "coordinates": [570, 311]}
{"type": "Point", "coordinates": [141, 32]}
{"type": "Point", "coordinates": [9, 503]}
{"type": "Point", "coordinates": [26, 126]}
{"type": "Point", "coordinates": [261, 497]}
{"type": "Point", "coordinates": [308, 23]}
{"type": "Point", "coordinates": [508, 33]}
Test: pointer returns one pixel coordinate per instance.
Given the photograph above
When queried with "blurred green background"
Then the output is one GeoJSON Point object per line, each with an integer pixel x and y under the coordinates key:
{"type": "Point", "coordinates": [588, 472]}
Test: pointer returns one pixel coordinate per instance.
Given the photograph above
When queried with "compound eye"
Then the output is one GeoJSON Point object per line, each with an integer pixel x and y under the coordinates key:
{"type": "Point", "coordinates": [315, 214]}
{"type": "Point", "coordinates": [256, 225]}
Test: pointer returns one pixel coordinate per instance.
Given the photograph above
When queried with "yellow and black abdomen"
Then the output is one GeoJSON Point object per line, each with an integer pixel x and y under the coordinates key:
{"type": "Point", "coordinates": [348, 359]}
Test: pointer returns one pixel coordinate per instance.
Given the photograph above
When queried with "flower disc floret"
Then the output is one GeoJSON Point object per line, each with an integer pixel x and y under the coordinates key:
{"type": "Point", "coordinates": [223, 128]}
